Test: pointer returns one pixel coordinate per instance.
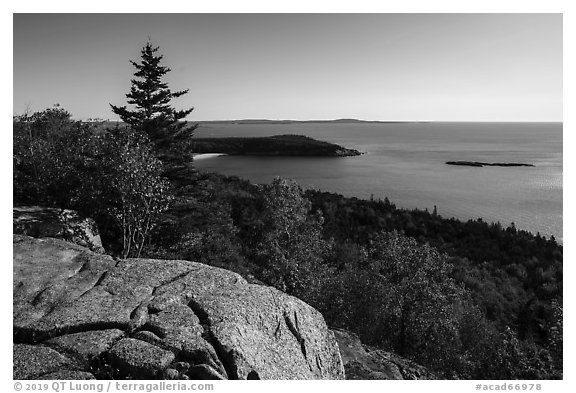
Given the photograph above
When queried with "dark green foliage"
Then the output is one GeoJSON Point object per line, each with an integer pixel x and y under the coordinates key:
{"type": "Point", "coordinates": [201, 223]}
{"type": "Point", "coordinates": [514, 279]}
{"type": "Point", "coordinates": [555, 334]}
{"type": "Point", "coordinates": [444, 321]}
{"type": "Point", "coordinates": [512, 275]}
{"type": "Point", "coordinates": [153, 114]}
{"type": "Point", "coordinates": [54, 158]}
{"type": "Point", "coordinates": [420, 296]}
{"type": "Point", "coordinates": [204, 234]}
{"type": "Point", "coordinates": [278, 145]}
{"type": "Point", "coordinates": [136, 192]}
{"type": "Point", "coordinates": [516, 359]}
{"type": "Point", "coordinates": [291, 253]}
{"type": "Point", "coordinates": [111, 177]}
{"type": "Point", "coordinates": [399, 295]}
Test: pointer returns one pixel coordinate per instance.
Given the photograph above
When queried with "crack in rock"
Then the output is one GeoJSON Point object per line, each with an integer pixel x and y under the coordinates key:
{"type": "Point", "coordinates": [96, 284]}
{"type": "Point", "coordinates": [170, 281]}
{"type": "Point", "coordinates": [138, 316]}
{"type": "Point", "coordinates": [293, 327]}
{"type": "Point", "coordinates": [226, 359]}
{"type": "Point", "coordinates": [27, 335]}
{"type": "Point", "coordinates": [39, 296]}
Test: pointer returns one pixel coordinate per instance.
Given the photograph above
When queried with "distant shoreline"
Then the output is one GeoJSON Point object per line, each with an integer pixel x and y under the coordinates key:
{"type": "Point", "coordinates": [111, 123]}
{"type": "Point", "coordinates": [357, 121]}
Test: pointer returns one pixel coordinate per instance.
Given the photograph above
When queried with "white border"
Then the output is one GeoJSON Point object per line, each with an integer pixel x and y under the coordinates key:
{"type": "Point", "coordinates": [356, 6]}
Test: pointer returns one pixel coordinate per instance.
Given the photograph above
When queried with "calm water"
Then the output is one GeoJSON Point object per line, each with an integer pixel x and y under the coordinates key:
{"type": "Point", "coordinates": [406, 163]}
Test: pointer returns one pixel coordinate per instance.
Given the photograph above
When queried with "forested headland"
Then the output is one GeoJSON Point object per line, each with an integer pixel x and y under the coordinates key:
{"type": "Point", "coordinates": [277, 145]}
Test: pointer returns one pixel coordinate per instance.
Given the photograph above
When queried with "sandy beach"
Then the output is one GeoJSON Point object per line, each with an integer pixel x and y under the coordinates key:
{"type": "Point", "coordinates": [207, 155]}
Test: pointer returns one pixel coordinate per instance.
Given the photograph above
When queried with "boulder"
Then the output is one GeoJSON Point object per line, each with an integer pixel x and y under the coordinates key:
{"type": "Point", "coordinates": [365, 362]}
{"type": "Point", "coordinates": [95, 316]}
{"type": "Point", "coordinates": [282, 330]}
{"type": "Point", "coordinates": [64, 224]}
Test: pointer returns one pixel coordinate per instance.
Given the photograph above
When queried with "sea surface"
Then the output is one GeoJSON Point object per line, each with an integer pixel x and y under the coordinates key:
{"type": "Point", "coordinates": [406, 163]}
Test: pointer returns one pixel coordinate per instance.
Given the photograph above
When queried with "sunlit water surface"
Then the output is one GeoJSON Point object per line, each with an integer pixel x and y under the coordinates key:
{"type": "Point", "coordinates": [406, 163]}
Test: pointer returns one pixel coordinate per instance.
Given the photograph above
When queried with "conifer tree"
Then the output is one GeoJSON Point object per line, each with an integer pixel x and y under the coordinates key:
{"type": "Point", "coordinates": [153, 114]}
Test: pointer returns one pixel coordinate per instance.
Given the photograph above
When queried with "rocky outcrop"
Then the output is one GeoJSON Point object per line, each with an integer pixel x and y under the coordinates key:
{"type": "Point", "coordinates": [64, 224]}
{"type": "Point", "coordinates": [79, 314]}
{"type": "Point", "coordinates": [365, 362]}
{"type": "Point", "coordinates": [482, 164]}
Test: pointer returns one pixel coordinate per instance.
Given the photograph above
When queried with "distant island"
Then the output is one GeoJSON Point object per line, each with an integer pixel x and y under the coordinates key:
{"type": "Point", "coordinates": [102, 124]}
{"type": "Point", "coordinates": [271, 121]}
{"type": "Point", "coordinates": [481, 164]}
{"type": "Point", "coordinates": [278, 145]}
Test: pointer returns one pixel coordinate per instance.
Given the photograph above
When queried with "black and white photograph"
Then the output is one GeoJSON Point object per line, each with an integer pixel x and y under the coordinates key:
{"type": "Point", "coordinates": [287, 196]}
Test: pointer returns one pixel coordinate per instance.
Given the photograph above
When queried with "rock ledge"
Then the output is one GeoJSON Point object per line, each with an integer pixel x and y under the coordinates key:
{"type": "Point", "coordinates": [81, 315]}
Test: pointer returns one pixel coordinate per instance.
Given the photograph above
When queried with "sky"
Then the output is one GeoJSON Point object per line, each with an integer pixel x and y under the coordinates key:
{"type": "Point", "coordinates": [412, 67]}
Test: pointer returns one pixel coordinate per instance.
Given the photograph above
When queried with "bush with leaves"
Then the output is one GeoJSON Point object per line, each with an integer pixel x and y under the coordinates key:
{"type": "Point", "coordinates": [135, 193]}
{"type": "Point", "coordinates": [53, 159]}
{"type": "Point", "coordinates": [290, 255]}
{"type": "Point", "coordinates": [207, 236]}
{"type": "Point", "coordinates": [113, 178]}
{"type": "Point", "coordinates": [512, 358]}
{"type": "Point", "coordinates": [400, 296]}
{"type": "Point", "coordinates": [420, 294]}
{"type": "Point", "coordinates": [556, 334]}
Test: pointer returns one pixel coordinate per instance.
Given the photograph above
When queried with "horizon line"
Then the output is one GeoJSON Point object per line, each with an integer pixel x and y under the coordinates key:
{"type": "Point", "coordinates": [343, 120]}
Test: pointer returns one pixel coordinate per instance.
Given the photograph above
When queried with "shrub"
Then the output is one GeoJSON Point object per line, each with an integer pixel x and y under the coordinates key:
{"type": "Point", "coordinates": [137, 193]}
{"type": "Point", "coordinates": [290, 255]}
{"type": "Point", "coordinates": [113, 178]}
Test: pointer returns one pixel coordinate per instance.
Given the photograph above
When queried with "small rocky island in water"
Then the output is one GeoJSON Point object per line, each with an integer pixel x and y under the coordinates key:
{"type": "Point", "coordinates": [481, 164]}
{"type": "Point", "coordinates": [278, 145]}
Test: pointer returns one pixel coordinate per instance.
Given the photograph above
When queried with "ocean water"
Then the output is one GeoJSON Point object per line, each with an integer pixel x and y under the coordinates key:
{"type": "Point", "coordinates": [406, 163]}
